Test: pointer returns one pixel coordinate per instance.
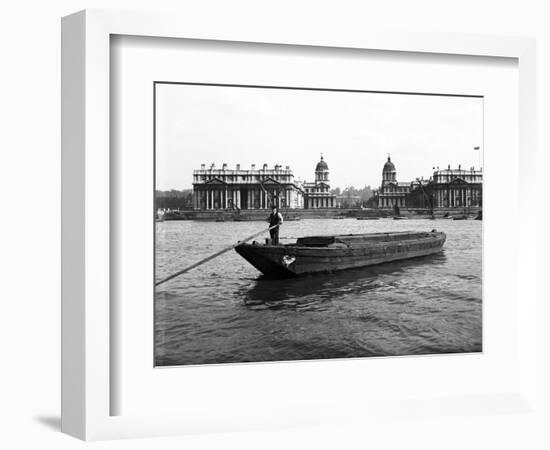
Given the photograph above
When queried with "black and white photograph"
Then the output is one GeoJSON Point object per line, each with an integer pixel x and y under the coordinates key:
{"type": "Point", "coordinates": [296, 223]}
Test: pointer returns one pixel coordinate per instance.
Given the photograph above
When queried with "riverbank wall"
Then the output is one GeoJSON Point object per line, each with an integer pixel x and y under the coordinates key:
{"type": "Point", "coordinates": [299, 214]}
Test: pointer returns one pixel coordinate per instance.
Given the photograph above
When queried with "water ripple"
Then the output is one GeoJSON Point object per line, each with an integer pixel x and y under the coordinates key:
{"type": "Point", "coordinates": [226, 312]}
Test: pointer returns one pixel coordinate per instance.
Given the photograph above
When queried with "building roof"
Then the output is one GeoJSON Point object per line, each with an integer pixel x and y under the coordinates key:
{"type": "Point", "coordinates": [321, 165]}
{"type": "Point", "coordinates": [389, 166]}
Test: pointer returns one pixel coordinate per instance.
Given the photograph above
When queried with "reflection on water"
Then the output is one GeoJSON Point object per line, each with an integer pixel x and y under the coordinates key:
{"type": "Point", "coordinates": [225, 311]}
{"type": "Point", "coordinates": [315, 289]}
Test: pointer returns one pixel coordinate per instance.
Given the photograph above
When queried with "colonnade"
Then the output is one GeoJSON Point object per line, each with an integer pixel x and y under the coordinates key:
{"type": "Point", "coordinates": [454, 197]}
{"type": "Point", "coordinates": [212, 198]}
{"type": "Point", "coordinates": [320, 202]}
{"type": "Point", "coordinates": [388, 202]}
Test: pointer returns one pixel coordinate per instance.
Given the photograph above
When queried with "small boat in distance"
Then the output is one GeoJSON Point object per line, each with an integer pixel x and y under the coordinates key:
{"type": "Point", "coordinates": [314, 254]}
{"type": "Point", "coordinates": [367, 218]}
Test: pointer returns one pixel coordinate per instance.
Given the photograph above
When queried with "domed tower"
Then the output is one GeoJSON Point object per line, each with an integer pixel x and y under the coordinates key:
{"type": "Point", "coordinates": [388, 172]}
{"type": "Point", "coordinates": [321, 171]}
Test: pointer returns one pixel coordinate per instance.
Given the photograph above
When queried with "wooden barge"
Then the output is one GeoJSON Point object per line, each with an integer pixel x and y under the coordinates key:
{"type": "Point", "coordinates": [316, 254]}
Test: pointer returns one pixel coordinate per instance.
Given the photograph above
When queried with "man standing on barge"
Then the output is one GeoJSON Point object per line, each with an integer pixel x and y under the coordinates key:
{"type": "Point", "coordinates": [275, 218]}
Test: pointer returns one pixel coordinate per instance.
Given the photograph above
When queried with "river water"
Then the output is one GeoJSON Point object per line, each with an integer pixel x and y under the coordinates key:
{"type": "Point", "coordinates": [225, 312]}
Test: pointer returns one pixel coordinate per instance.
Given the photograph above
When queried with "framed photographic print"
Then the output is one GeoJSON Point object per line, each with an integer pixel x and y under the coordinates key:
{"type": "Point", "coordinates": [272, 228]}
{"type": "Point", "coordinates": [391, 267]}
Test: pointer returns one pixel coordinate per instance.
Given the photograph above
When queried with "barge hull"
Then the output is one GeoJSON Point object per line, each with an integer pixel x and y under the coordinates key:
{"type": "Point", "coordinates": [282, 261]}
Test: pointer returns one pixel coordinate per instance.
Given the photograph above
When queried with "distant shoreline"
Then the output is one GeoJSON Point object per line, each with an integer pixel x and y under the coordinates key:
{"type": "Point", "coordinates": [298, 214]}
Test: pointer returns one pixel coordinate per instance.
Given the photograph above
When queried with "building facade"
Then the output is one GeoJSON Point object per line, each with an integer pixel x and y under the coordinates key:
{"type": "Point", "coordinates": [452, 188]}
{"type": "Point", "coordinates": [446, 188]}
{"type": "Point", "coordinates": [317, 194]}
{"type": "Point", "coordinates": [391, 192]}
{"type": "Point", "coordinates": [245, 188]}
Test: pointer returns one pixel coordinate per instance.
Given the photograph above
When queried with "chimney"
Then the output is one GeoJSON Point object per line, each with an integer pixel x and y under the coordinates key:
{"type": "Point", "coordinates": [449, 167]}
{"type": "Point", "coordinates": [287, 168]}
{"type": "Point", "coordinates": [238, 167]}
{"type": "Point", "coordinates": [265, 166]}
{"type": "Point", "coordinates": [213, 166]}
{"type": "Point", "coordinates": [459, 167]}
{"type": "Point", "coordinates": [224, 166]}
{"type": "Point", "coordinates": [203, 166]}
{"type": "Point", "coordinates": [253, 166]}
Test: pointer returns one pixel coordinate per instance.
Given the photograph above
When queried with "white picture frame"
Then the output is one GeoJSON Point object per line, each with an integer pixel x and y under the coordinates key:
{"type": "Point", "coordinates": [86, 326]}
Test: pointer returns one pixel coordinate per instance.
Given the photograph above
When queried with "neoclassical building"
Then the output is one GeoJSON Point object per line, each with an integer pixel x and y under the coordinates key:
{"type": "Point", "coordinates": [446, 188]}
{"type": "Point", "coordinates": [391, 192]}
{"type": "Point", "coordinates": [239, 188]}
{"type": "Point", "coordinates": [453, 188]}
{"type": "Point", "coordinates": [317, 194]}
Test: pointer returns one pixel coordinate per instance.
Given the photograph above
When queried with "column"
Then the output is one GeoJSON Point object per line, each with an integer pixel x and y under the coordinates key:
{"type": "Point", "coordinates": [211, 198]}
{"type": "Point", "coordinates": [225, 199]}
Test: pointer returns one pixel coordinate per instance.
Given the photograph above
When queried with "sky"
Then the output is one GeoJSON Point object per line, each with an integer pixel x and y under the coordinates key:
{"type": "Point", "coordinates": [354, 131]}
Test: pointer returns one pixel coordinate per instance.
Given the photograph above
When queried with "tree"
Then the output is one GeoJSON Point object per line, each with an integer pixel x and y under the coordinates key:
{"type": "Point", "coordinates": [174, 199]}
